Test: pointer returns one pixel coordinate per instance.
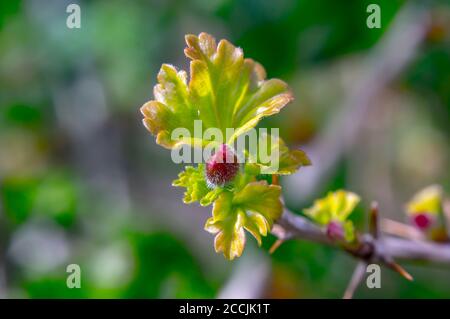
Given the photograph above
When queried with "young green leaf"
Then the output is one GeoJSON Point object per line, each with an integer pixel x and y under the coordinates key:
{"type": "Point", "coordinates": [335, 206]}
{"type": "Point", "coordinates": [225, 91]}
{"type": "Point", "coordinates": [425, 212]}
{"type": "Point", "coordinates": [279, 159]}
{"type": "Point", "coordinates": [254, 208]}
{"type": "Point", "coordinates": [428, 200]}
{"type": "Point", "coordinates": [332, 212]}
{"type": "Point", "coordinates": [193, 178]}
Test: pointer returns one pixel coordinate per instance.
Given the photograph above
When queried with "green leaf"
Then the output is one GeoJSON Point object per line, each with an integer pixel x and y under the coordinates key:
{"type": "Point", "coordinates": [225, 91]}
{"type": "Point", "coordinates": [349, 231]}
{"type": "Point", "coordinates": [193, 178]}
{"type": "Point", "coordinates": [336, 206]}
{"type": "Point", "coordinates": [171, 108]}
{"type": "Point", "coordinates": [254, 208]}
{"type": "Point", "coordinates": [279, 159]}
{"type": "Point", "coordinates": [428, 200]}
{"type": "Point", "coordinates": [262, 198]}
{"type": "Point", "coordinates": [227, 224]}
{"type": "Point", "coordinates": [17, 197]}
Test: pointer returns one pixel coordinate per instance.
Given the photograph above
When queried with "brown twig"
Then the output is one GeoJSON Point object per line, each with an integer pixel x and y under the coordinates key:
{"type": "Point", "coordinates": [392, 227]}
{"type": "Point", "coordinates": [357, 277]}
{"type": "Point", "coordinates": [383, 249]}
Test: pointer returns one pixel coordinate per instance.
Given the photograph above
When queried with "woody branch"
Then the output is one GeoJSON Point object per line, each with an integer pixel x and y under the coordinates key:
{"type": "Point", "coordinates": [372, 248]}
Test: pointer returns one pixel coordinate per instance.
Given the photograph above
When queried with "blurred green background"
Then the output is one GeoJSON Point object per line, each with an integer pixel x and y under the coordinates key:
{"type": "Point", "coordinates": [82, 181]}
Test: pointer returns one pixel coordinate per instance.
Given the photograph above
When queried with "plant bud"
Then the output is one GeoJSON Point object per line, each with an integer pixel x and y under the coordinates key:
{"type": "Point", "coordinates": [222, 167]}
{"type": "Point", "coordinates": [335, 230]}
{"type": "Point", "coordinates": [422, 220]}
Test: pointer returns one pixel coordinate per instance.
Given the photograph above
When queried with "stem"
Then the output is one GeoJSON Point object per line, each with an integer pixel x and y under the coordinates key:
{"type": "Point", "coordinates": [381, 250]}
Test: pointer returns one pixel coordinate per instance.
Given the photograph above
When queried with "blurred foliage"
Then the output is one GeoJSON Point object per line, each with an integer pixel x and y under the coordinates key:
{"type": "Point", "coordinates": [82, 182]}
{"type": "Point", "coordinates": [166, 269]}
{"type": "Point", "coordinates": [55, 195]}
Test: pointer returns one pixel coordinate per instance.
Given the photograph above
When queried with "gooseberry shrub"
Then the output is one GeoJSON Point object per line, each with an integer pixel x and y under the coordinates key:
{"type": "Point", "coordinates": [225, 90]}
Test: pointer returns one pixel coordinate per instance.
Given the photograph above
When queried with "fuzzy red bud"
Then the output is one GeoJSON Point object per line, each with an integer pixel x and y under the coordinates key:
{"type": "Point", "coordinates": [335, 230]}
{"type": "Point", "coordinates": [222, 167]}
{"type": "Point", "coordinates": [422, 220]}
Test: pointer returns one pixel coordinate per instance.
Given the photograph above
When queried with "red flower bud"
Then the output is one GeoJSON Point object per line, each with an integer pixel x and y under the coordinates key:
{"type": "Point", "coordinates": [422, 220]}
{"type": "Point", "coordinates": [335, 230]}
{"type": "Point", "coordinates": [222, 167]}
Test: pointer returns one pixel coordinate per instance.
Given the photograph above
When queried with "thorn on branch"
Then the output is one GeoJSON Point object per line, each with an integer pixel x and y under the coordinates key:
{"type": "Point", "coordinates": [374, 220]}
{"type": "Point", "coordinates": [374, 230]}
{"type": "Point", "coordinates": [399, 269]}
{"type": "Point", "coordinates": [275, 246]}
